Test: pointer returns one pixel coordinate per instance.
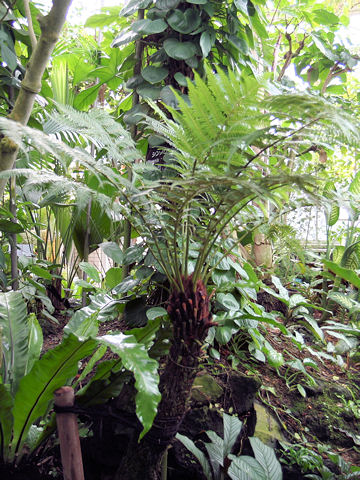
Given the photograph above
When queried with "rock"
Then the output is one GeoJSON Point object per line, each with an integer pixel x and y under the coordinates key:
{"type": "Point", "coordinates": [205, 389]}
{"type": "Point", "coordinates": [268, 428]}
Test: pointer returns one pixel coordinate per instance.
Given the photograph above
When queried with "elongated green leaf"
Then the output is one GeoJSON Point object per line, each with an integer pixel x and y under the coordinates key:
{"type": "Point", "coordinates": [232, 429]}
{"type": "Point", "coordinates": [245, 468]}
{"type": "Point", "coordinates": [312, 325]}
{"type": "Point", "coordinates": [145, 369]}
{"type": "Point", "coordinates": [15, 332]}
{"type": "Point", "coordinates": [215, 451]}
{"type": "Point", "coordinates": [6, 420]}
{"type": "Point", "coordinates": [267, 459]}
{"type": "Point", "coordinates": [355, 185]}
{"type": "Point", "coordinates": [35, 342]}
{"type": "Point", "coordinates": [190, 445]}
{"type": "Point", "coordinates": [36, 389]}
{"type": "Point", "coordinates": [345, 301]}
{"type": "Point", "coordinates": [348, 275]}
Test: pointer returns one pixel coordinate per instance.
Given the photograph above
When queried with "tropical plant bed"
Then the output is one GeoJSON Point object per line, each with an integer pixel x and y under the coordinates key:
{"type": "Point", "coordinates": [323, 417]}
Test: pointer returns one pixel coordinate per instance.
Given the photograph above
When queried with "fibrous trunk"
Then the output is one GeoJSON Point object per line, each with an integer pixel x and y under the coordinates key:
{"type": "Point", "coordinates": [189, 312]}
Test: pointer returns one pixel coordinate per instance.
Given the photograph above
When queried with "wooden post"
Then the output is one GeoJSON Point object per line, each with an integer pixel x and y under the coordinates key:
{"type": "Point", "coordinates": [69, 436]}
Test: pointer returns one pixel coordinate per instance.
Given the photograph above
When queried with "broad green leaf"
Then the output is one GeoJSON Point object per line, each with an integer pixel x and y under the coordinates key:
{"type": "Point", "coordinates": [7, 226]}
{"type": "Point", "coordinates": [282, 290]}
{"type": "Point", "coordinates": [348, 275]}
{"type": "Point", "coordinates": [166, 4]}
{"type": "Point", "coordinates": [184, 22]}
{"type": "Point", "coordinates": [14, 337]}
{"type": "Point", "coordinates": [338, 253]}
{"type": "Point", "coordinates": [190, 445]}
{"type": "Point", "coordinates": [207, 41]}
{"type": "Point", "coordinates": [36, 390]}
{"type": "Point", "coordinates": [155, 312]}
{"type": "Point", "coordinates": [181, 79]}
{"type": "Point", "coordinates": [267, 459]}
{"type": "Point", "coordinates": [354, 187]}
{"type": "Point", "coordinates": [133, 6]}
{"type": "Point", "coordinates": [113, 277]}
{"type": "Point", "coordinates": [245, 468]}
{"type": "Point", "coordinates": [232, 429]}
{"type": "Point", "coordinates": [101, 20]}
{"type": "Point", "coordinates": [324, 17]}
{"type": "Point", "coordinates": [228, 301]}
{"type": "Point", "coordinates": [275, 359]}
{"type": "Point", "coordinates": [40, 272]}
{"type": "Point", "coordinates": [35, 342]}
{"type": "Point", "coordinates": [215, 451]}
{"type": "Point", "coordinates": [91, 271]}
{"type": "Point", "coordinates": [154, 74]}
{"type": "Point", "coordinates": [113, 251]}
{"type": "Point", "coordinates": [179, 50]}
{"type": "Point", "coordinates": [146, 334]}
{"type": "Point", "coordinates": [6, 419]}
{"type": "Point", "coordinates": [224, 334]}
{"type": "Point", "coordinates": [125, 37]}
{"type": "Point", "coordinates": [149, 27]}
{"type": "Point", "coordinates": [345, 301]}
{"type": "Point", "coordinates": [145, 369]}
{"type": "Point", "coordinates": [84, 322]}
{"type": "Point", "coordinates": [86, 97]}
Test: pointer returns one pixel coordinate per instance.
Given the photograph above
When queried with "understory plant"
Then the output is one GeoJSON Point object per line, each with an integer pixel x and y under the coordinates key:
{"type": "Point", "coordinates": [223, 164]}
{"type": "Point", "coordinates": [28, 380]}
{"type": "Point", "coordinates": [220, 461]}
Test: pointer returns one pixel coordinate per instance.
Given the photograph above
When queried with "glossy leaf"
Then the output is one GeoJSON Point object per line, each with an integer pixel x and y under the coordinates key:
{"type": "Point", "coordinates": [149, 27]}
{"type": "Point", "coordinates": [136, 359]}
{"type": "Point", "coordinates": [207, 41]}
{"type": "Point", "coordinates": [14, 337]}
{"type": "Point", "coordinates": [113, 277]}
{"type": "Point", "coordinates": [166, 4]}
{"type": "Point", "coordinates": [36, 389]}
{"type": "Point", "coordinates": [91, 271]}
{"type": "Point", "coordinates": [179, 50]}
{"type": "Point", "coordinates": [35, 342]}
{"type": "Point", "coordinates": [133, 6]}
{"type": "Point", "coordinates": [184, 22]}
{"type": "Point", "coordinates": [154, 74]}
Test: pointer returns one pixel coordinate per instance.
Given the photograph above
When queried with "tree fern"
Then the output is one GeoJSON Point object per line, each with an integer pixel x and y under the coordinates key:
{"type": "Point", "coordinates": [214, 169]}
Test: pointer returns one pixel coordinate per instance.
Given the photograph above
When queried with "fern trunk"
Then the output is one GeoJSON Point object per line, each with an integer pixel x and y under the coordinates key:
{"type": "Point", "coordinates": [191, 319]}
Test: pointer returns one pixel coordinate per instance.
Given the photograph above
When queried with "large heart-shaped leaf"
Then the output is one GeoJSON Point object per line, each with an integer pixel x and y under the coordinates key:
{"type": "Point", "coordinates": [154, 74]}
{"type": "Point", "coordinates": [184, 22]}
{"type": "Point", "coordinates": [179, 50]}
{"type": "Point", "coordinates": [167, 4]}
{"type": "Point", "coordinates": [148, 27]}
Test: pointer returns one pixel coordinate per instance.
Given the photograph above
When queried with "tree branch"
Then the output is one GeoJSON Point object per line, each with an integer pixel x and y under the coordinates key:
{"type": "Point", "coordinates": [51, 26]}
{"type": "Point", "coordinates": [33, 40]}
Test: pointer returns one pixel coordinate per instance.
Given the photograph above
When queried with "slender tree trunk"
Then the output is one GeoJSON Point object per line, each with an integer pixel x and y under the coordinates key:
{"type": "Point", "coordinates": [13, 238]}
{"type": "Point", "coordinates": [51, 26]}
{"type": "Point", "coordinates": [191, 318]}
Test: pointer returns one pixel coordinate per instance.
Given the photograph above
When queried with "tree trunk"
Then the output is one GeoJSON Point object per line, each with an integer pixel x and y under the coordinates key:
{"type": "Point", "coordinates": [51, 26]}
{"type": "Point", "coordinates": [191, 318]}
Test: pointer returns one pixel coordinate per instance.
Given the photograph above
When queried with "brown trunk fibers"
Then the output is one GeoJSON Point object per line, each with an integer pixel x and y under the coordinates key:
{"type": "Point", "coordinates": [191, 318]}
